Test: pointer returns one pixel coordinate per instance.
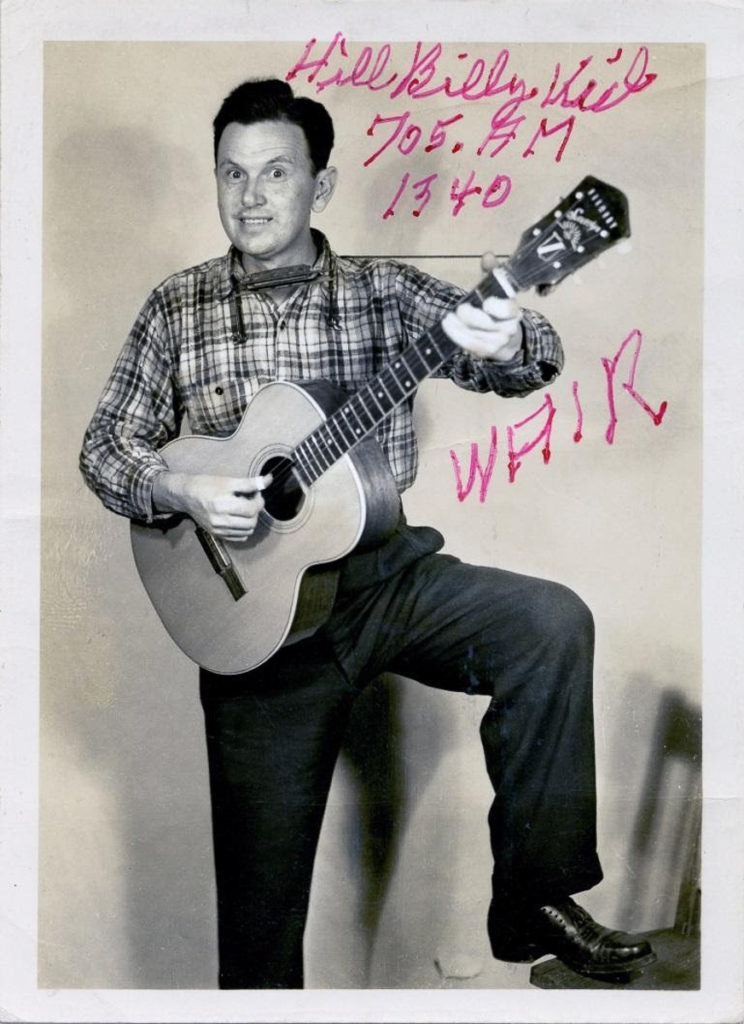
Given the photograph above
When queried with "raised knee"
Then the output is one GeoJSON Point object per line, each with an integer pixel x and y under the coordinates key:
{"type": "Point", "coordinates": [563, 615]}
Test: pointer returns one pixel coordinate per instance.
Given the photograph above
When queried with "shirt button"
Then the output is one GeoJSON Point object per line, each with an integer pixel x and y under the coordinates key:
{"type": "Point", "coordinates": [218, 391]}
{"type": "Point", "coordinates": [282, 325]}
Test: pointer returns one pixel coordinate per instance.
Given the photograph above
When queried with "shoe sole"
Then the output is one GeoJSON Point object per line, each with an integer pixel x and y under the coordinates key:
{"type": "Point", "coordinates": [528, 955]}
{"type": "Point", "coordinates": [608, 970]}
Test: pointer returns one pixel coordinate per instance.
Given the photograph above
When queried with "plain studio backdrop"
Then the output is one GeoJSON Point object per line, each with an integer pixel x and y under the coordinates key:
{"type": "Point", "coordinates": [403, 872]}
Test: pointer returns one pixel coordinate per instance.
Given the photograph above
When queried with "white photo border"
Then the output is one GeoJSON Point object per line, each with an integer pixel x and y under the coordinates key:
{"type": "Point", "coordinates": [25, 29]}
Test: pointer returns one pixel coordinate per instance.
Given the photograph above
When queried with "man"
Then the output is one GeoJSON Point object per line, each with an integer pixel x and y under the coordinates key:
{"type": "Point", "coordinates": [205, 340]}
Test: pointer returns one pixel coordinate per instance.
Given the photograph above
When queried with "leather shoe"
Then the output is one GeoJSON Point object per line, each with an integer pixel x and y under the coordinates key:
{"type": "Point", "coordinates": [568, 932]}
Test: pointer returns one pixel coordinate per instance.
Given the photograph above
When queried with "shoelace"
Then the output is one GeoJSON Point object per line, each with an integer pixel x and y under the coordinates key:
{"type": "Point", "coordinates": [594, 935]}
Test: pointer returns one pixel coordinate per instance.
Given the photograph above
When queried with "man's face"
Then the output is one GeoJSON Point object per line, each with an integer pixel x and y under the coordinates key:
{"type": "Point", "coordinates": [266, 191]}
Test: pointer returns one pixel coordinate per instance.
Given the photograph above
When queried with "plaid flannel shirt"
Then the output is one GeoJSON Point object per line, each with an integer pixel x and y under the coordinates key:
{"type": "Point", "coordinates": [201, 347]}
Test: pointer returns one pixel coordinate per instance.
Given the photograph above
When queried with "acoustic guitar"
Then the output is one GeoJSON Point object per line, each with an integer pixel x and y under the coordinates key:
{"type": "Point", "coordinates": [231, 606]}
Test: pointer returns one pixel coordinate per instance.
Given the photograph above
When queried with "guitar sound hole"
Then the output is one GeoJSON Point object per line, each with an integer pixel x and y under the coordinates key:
{"type": "Point", "coordinates": [283, 497]}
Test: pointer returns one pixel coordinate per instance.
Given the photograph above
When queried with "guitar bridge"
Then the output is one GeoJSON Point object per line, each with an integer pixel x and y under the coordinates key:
{"type": "Point", "coordinates": [221, 563]}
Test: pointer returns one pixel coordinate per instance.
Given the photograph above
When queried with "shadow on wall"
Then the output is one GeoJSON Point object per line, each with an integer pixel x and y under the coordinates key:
{"type": "Point", "coordinates": [393, 747]}
{"type": "Point", "coordinates": [372, 765]}
{"type": "Point", "coordinates": [373, 751]}
{"type": "Point", "coordinates": [666, 833]}
{"type": "Point", "coordinates": [665, 852]}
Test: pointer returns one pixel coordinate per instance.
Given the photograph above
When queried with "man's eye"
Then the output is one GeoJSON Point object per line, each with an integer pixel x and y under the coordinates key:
{"type": "Point", "coordinates": [234, 174]}
{"type": "Point", "coordinates": [276, 172]}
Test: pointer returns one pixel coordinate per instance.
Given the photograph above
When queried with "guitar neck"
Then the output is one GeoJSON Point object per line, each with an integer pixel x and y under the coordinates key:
{"type": "Point", "coordinates": [366, 409]}
{"type": "Point", "coordinates": [584, 224]}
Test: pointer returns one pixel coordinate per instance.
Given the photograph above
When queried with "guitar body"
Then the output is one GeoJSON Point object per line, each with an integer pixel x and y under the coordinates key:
{"type": "Point", "coordinates": [287, 591]}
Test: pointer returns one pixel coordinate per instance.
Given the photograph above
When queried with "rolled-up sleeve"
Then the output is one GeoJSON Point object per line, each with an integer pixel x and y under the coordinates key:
{"type": "Point", "coordinates": [536, 364]}
{"type": "Point", "coordinates": [138, 412]}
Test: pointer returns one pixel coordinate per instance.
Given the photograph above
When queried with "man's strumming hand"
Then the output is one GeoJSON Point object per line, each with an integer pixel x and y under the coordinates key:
{"type": "Point", "coordinates": [227, 507]}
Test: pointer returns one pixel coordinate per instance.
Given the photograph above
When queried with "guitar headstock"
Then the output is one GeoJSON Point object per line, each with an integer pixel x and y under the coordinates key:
{"type": "Point", "coordinates": [593, 217]}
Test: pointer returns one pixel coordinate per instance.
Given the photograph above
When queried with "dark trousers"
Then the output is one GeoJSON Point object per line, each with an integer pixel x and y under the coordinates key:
{"type": "Point", "coordinates": [274, 734]}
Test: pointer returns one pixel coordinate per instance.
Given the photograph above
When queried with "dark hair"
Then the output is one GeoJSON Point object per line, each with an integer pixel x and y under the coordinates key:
{"type": "Point", "coordinates": [272, 100]}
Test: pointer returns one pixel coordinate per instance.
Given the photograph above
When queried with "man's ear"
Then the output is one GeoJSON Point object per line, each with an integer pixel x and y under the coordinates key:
{"type": "Point", "coordinates": [325, 185]}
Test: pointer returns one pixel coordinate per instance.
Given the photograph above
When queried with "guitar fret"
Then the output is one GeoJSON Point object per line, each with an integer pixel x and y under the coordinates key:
{"type": "Point", "coordinates": [353, 431]}
{"type": "Point", "coordinates": [358, 400]}
{"type": "Point", "coordinates": [394, 381]}
{"type": "Point", "coordinates": [408, 381]}
{"type": "Point", "coordinates": [318, 453]}
{"type": "Point", "coordinates": [432, 346]}
{"type": "Point", "coordinates": [388, 381]}
{"type": "Point", "coordinates": [322, 447]}
{"type": "Point", "coordinates": [333, 424]}
{"type": "Point", "coordinates": [312, 470]}
{"type": "Point", "coordinates": [443, 345]}
{"type": "Point", "coordinates": [418, 352]}
{"type": "Point", "coordinates": [376, 395]}
{"type": "Point", "coordinates": [342, 412]}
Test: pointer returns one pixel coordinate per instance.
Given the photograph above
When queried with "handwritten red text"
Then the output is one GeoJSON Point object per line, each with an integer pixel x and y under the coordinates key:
{"type": "Point", "coordinates": [535, 430]}
{"type": "Point", "coordinates": [535, 118]}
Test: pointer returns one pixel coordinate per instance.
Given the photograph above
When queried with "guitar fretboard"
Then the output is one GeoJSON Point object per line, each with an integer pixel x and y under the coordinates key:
{"type": "Point", "coordinates": [363, 412]}
{"type": "Point", "coordinates": [588, 221]}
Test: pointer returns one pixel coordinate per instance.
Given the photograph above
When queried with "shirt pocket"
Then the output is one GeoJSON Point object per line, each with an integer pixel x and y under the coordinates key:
{"type": "Point", "coordinates": [215, 408]}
